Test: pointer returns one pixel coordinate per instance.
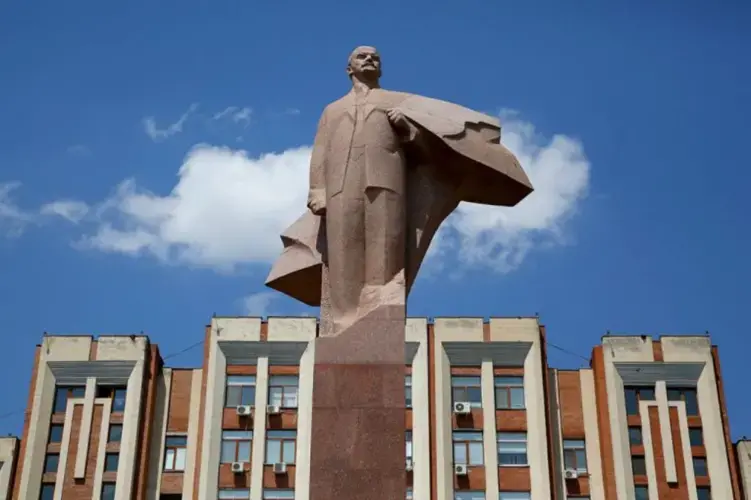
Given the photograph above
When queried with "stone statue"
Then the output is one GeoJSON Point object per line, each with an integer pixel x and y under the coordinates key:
{"type": "Point", "coordinates": [386, 169]}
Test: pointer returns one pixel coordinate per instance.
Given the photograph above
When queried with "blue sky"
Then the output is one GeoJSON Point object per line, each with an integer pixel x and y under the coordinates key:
{"type": "Point", "coordinates": [152, 150]}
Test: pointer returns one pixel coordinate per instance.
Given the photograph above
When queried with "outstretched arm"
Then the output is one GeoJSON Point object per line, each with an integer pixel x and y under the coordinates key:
{"type": "Point", "coordinates": [317, 191]}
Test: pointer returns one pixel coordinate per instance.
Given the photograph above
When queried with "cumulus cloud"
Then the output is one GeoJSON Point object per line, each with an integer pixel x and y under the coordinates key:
{"type": "Point", "coordinates": [159, 134]}
{"type": "Point", "coordinates": [257, 304]}
{"type": "Point", "coordinates": [228, 208]}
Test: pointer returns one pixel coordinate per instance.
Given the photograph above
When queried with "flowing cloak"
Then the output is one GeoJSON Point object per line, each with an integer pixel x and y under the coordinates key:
{"type": "Point", "coordinates": [460, 158]}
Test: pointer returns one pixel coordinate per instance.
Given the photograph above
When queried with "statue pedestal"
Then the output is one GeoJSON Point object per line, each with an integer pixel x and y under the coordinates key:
{"type": "Point", "coordinates": [358, 422]}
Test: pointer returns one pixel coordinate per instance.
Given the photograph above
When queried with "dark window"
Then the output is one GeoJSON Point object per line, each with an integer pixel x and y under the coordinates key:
{"type": "Point", "coordinates": [110, 462]}
{"type": "Point", "coordinates": [175, 453]}
{"type": "Point", "coordinates": [116, 394]}
{"type": "Point", "coordinates": [688, 396]}
{"type": "Point", "coordinates": [115, 433]}
{"type": "Point", "coordinates": [639, 465]}
{"type": "Point", "coordinates": [642, 492]}
{"type": "Point", "coordinates": [408, 391]}
{"type": "Point", "coordinates": [703, 493]}
{"type": "Point", "coordinates": [47, 492]}
{"type": "Point", "coordinates": [634, 436]}
{"type": "Point", "coordinates": [700, 467]}
{"type": "Point", "coordinates": [467, 390]}
{"type": "Point", "coordinates": [56, 433]}
{"type": "Point", "coordinates": [695, 436]}
{"type": "Point", "coordinates": [509, 393]}
{"type": "Point", "coordinates": [63, 393]}
{"type": "Point", "coordinates": [575, 455]}
{"type": "Point", "coordinates": [108, 491]}
{"type": "Point", "coordinates": [170, 496]}
{"type": "Point", "coordinates": [241, 391]}
{"type": "Point", "coordinates": [636, 394]}
{"type": "Point", "coordinates": [51, 461]}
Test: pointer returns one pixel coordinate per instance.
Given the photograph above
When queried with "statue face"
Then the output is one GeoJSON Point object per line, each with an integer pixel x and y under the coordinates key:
{"type": "Point", "coordinates": [366, 62]}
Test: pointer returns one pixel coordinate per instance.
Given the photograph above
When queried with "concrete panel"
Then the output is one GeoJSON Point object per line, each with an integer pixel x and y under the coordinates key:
{"type": "Point", "coordinates": [67, 348]}
{"type": "Point", "coordinates": [104, 432]}
{"type": "Point", "coordinates": [121, 347]}
{"type": "Point", "coordinates": [258, 452]}
{"type": "Point", "coordinates": [156, 446]}
{"type": "Point", "coordinates": [514, 329]}
{"type": "Point", "coordinates": [8, 450]}
{"type": "Point", "coordinates": [668, 454]}
{"type": "Point", "coordinates": [304, 422]}
{"type": "Point", "coordinates": [489, 436]}
{"type": "Point", "coordinates": [649, 451]}
{"type": "Point", "coordinates": [743, 449]}
{"type": "Point", "coordinates": [64, 451]}
{"type": "Point", "coordinates": [84, 438]}
{"type": "Point", "coordinates": [131, 431]}
{"type": "Point", "coordinates": [592, 435]}
{"type": "Point", "coordinates": [236, 329]}
{"type": "Point", "coordinates": [292, 329]}
{"type": "Point", "coordinates": [417, 331]}
{"type": "Point", "coordinates": [556, 427]}
{"type": "Point", "coordinates": [193, 428]}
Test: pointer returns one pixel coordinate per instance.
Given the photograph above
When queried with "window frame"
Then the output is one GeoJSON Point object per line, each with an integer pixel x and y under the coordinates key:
{"type": "Point", "coordinates": [48, 488]}
{"type": "Point", "coordinates": [467, 444]}
{"type": "Point", "coordinates": [508, 386]}
{"type": "Point", "coordinates": [112, 392]}
{"type": "Point", "coordinates": [107, 458]}
{"type": "Point", "coordinates": [284, 436]}
{"type": "Point", "coordinates": [48, 458]}
{"type": "Point", "coordinates": [276, 494]}
{"type": "Point", "coordinates": [639, 394]}
{"type": "Point", "coordinates": [466, 388]}
{"type": "Point", "coordinates": [50, 433]}
{"type": "Point", "coordinates": [575, 448]}
{"type": "Point", "coordinates": [283, 388]}
{"type": "Point", "coordinates": [244, 384]}
{"type": "Point", "coordinates": [106, 486]}
{"type": "Point", "coordinates": [512, 438]}
{"type": "Point", "coordinates": [408, 390]}
{"type": "Point", "coordinates": [693, 431]}
{"type": "Point", "coordinates": [691, 403]}
{"type": "Point", "coordinates": [409, 446]}
{"type": "Point", "coordinates": [246, 438]}
{"type": "Point", "coordinates": [71, 392]}
{"type": "Point", "coordinates": [642, 459]}
{"type": "Point", "coordinates": [109, 433]}
{"type": "Point", "coordinates": [236, 493]}
{"type": "Point", "coordinates": [637, 429]}
{"type": "Point", "coordinates": [694, 461]}
{"type": "Point", "coordinates": [515, 495]}
{"type": "Point", "coordinates": [707, 489]}
{"type": "Point", "coordinates": [176, 450]}
{"type": "Point", "coordinates": [643, 488]}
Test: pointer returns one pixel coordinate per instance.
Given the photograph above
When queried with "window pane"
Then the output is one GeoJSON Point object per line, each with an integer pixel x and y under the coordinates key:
{"type": "Point", "coordinates": [233, 494]}
{"type": "Point", "coordinates": [56, 433]}
{"type": "Point", "coordinates": [692, 405]}
{"type": "Point", "coordinates": [283, 380]}
{"type": "Point", "coordinates": [476, 455]}
{"type": "Point", "coordinates": [61, 399]}
{"type": "Point", "coordinates": [241, 380]}
{"type": "Point", "coordinates": [50, 462]}
{"type": "Point", "coordinates": [228, 452]}
{"type": "Point", "coordinates": [275, 396]}
{"type": "Point", "coordinates": [634, 436]}
{"type": "Point", "coordinates": [514, 495]}
{"type": "Point", "coordinates": [77, 392]}
{"type": "Point", "coordinates": [248, 396]}
{"type": "Point", "coordinates": [110, 462]}
{"type": "Point", "coordinates": [474, 396]}
{"type": "Point", "coordinates": [642, 492]}
{"type": "Point", "coordinates": [646, 394]}
{"type": "Point", "coordinates": [703, 493]}
{"type": "Point", "coordinates": [632, 404]}
{"type": "Point", "coordinates": [118, 401]}
{"type": "Point", "coordinates": [273, 451]}
{"type": "Point", "coordinates": [581, 460]}
{"type": "Point", "coordinates": [115, 433]}
{"type": "Point", "coordinates": [509, 381]}
{"type": "Point", "coordinates": [108, 491]}
{"type": "Point", "coordinates": [469, 495]}
{"type": "Point", "coordinates": [288, 452]}
{"type": "Point", "coordinates": [48, 492]}
{"type": "Point", "coordinates": [467, 436]}
{"type": "Point", "coordinates": [176, 441]}
{"type": "Point", "coordinates": [289, 400]}
{"type": "Point", "coordinates": [639, 466]}
{"type": "Point", "coordinates": [237, 435]}
{"type": "Point", "coordinates": [169, 459]}
{"type": "Point", "coordinates": [243, 451]}
{"type": "Point", "coordinates": [460, 453]}
{"type": "Point", "coordinates": [408, 397]}
{"type": "Point", "coordinates": [180, 458]}
{"type": "Point", "coordinates": [674, 395]}
{"type": "Point", "coordinates": [700, 467]}
{"type": "Point", "coordinates": [281, 494]}
{"type": "Point", "coordinates": [234, 396]}
{"type": "Point", "coordinates": [458, 381]}
{"type": "Point", "coordinates": [573, 444]}
{"type": "Point", "coordinates": [517, 398]}
{"type": "Point", "coordinates": [696, 438]}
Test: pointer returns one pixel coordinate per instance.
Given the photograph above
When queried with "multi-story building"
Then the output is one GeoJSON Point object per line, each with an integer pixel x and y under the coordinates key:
{"type": "Point", "coordinates": [485, 417]}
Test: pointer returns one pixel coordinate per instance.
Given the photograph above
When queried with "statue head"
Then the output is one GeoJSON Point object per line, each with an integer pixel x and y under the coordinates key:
{"type": "Point", "coordinates": [364, 64]}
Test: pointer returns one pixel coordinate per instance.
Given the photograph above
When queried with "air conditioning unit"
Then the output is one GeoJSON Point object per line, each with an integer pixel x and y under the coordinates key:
{"type": "Point", "coordinates": [244, 410]}
{"type": "Point", "coordinates": [273, 409]}
{"type": "Point", "coordinates": [238, 467]}
{"type": "Point", "coordinates": [280, 468]}
{"type": "Point", "coordinates": [570, 474]}
{"type": "Point", "coordinates": [409, 465]}
{"type": "Point", "coordinates": [462, 408]}
{"type": "Point", "coordinates": [460, 469]}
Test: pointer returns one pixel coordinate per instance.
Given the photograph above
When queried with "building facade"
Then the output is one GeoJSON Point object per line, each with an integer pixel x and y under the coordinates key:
{"type": "Point", "coordinates": [485, 417]}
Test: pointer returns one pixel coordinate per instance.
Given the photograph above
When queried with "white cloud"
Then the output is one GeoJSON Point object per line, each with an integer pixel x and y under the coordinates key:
{"type": "Point", "coordinates": [71, 210]}
{"type": "Point", "coordinates": [13, 219]}
{"type": "Point", "coordinates": [257, 304]}
{"type": "Point", "coordinates": [228, 208]}
{"type": "Point", "coordinates": [236, 114]}
{"type": "Point", "coordinates": [157, 134]}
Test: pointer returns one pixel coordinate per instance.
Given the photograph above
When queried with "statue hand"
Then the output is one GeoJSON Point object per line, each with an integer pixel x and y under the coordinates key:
{"type": "Point", "coordinates": [397, 120]}
{"type": "Point", "coordinates": [317, 205]}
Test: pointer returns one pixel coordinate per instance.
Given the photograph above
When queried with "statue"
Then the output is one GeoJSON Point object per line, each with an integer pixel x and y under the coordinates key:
{"type": "Point", "coordinates": [386, 169]}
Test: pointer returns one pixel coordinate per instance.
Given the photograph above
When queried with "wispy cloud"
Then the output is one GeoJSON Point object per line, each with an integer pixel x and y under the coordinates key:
{"type": "Point", "coordinates": [13, 219]}
{"type": "Point", "coordinates": [79, 150]}
{"type": "Point", "coordinates": [158, 135]}
{"type": "Point", "coordinates": [236, 114]}
{"type": "Point", "coordinates": [70, 210]}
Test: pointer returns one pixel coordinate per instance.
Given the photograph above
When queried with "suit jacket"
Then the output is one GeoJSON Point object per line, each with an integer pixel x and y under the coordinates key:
{"type": "Point", "coordinates": [461, 159]}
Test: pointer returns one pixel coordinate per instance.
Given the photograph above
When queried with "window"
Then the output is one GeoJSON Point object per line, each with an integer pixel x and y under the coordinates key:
{"type": "Point", "coordinates": [642, 492]}
{"type": "Point", "coordinates": [409, 493]}
{"type": "Point", "coordinates": [108, 491]}
{"type": "Point", "coordinates": [703, 493]}
{"type": "Point", "coordinates": [47, 492]}
{"type": "Point", "coordinates": [688, 396]}
{"type": "Point", "coordinates": [241, 391]}
{"type": "Point", "coordinates": [116, 394]}
{"type": "Point", "coordinates": [700, 467]}
{"type": "Point", "coordinates": [51, 461]}
{"type": "Point", "coordinates": [236, 446]}
{"type": "Point", "coordinates": [466, 389]}
{"type": "Point", "coordinates": [63, 393]}
{"type": "Point", "coordinates": [575, 455]}
{"type": "Point", "coordinates": [175, 453]}
{"type": "Point", "coordinates": [512, 448]}
{"type": "Point", "coordinates": [469, 495]}
{"type": "Point", "coordinates": [283, 390]}
{"type": "Point", "coordinates": [278, 494]}
{"type": "Point", "coordinates": [408, 441]}
{"type": "Point", "coordinates": [408, 391]}
{"type": "Point", "coordinates": [636, 394]}
{"type": "Point", "coordinates": [468, 448]}
{"type": "Point", "coordinates": [577, 498]}
{"type": "Point", "coordinates": [232, 494]}
{"type": "Point", "coordinates": [56, 433]}
{"type": "Point", "coordinates": [514, 495]}
{"type": "Point", "coordinates": [695, 436]}
{"type": "Point", "coordinates": [115, 433]}
{"type": "Point", "coordinates": [509, 393]}
{"type": "Point", "coordinates": [111, 460]}
{"type": "Point", "coordinates": [634, 436]}
{"type": "Point", "coordinates": [639, 465]}
{"type": "Point", "coordinates": [280, 447]}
